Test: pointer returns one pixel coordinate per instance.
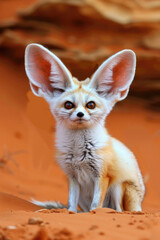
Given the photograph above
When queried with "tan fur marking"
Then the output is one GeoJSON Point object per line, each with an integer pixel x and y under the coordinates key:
{"type": "Point", "coordinates": [87, 110]}
{"type": "Point", "coordinates": [104, 182]}
{"type": "Point", "coordinates": [108, 157]}
{"type": "Point", "coordinates": [131, 192]}
{"type": "Point", "coordinates": [79, 89]}
{"type": "Point", "coordinates": [75, 80]}
{"type": "Point", "coordinates": [109, 173]}
{"type": "Point", "coordinates": [86, 81]}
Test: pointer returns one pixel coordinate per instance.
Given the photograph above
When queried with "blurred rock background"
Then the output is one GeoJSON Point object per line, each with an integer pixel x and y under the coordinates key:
{"type": "Point", "coordinates": [83, 33]}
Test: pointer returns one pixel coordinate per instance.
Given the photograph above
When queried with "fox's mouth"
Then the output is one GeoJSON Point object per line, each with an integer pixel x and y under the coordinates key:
{"type": "Point", "coordinates": [80, 120]}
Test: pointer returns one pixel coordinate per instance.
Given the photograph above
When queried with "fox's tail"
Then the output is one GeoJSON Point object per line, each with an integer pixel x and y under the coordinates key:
{"type": "Point", "coordinates": [49, 204]}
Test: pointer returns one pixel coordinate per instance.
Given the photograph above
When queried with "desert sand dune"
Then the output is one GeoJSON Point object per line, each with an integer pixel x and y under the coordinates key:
{"type": "Point", "coordinates": [12, 203]}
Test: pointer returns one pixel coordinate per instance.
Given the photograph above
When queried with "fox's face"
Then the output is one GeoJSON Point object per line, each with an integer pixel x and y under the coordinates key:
{"type": "Point", "coordinates": [73, 103]}
{"type": "Point", "coordinates": [79, 106]}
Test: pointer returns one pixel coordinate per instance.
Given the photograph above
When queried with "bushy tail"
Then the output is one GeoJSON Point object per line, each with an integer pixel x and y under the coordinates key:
{"type": "Point", "coordinates": [49, 204]}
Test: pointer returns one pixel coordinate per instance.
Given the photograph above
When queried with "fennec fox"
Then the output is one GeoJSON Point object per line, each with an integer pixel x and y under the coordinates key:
{"type": "Point", "coordinates": [102, 172]}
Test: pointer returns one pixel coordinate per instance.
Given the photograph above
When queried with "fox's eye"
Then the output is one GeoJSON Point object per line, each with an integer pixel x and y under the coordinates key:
{"type": "Point", "coordinates": [68, 105]}
{"type": "Point", "coordinates": [91, 105]}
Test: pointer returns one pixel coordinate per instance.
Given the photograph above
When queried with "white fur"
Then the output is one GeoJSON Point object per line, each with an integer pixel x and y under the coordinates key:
{"type": "Point", "coordinates": [48, 204]}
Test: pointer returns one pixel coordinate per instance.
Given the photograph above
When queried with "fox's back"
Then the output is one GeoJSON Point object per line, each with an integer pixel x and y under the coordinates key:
{"type": "Point", "coordinates": [125, 164]}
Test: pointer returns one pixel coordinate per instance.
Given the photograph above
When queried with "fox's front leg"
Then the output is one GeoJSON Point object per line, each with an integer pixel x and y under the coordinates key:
{"type": "Point", "coordinates": [73, 195]}
{"type": "Point", "coordinates": [100, 189]}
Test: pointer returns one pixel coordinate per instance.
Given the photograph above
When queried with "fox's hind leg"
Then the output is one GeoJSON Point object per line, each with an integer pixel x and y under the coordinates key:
{"type": "Point", "coordinates": [113, 198]}
{"type": "Point", "coordinates": [133, 196]}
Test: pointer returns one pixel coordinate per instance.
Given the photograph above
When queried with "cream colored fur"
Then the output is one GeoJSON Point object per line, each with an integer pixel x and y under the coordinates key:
{"type": "Point", "coordinates": [102, 172]}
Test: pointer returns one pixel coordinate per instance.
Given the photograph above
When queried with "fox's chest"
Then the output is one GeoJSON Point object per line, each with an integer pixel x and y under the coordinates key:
{"type": "Point", "coordinates": [80, 161]}
{"type": "Point", "coordinates": [78, 152]}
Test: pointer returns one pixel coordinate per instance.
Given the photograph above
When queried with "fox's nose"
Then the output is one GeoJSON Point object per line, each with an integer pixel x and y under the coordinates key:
{"type": "Point", "coordinates": [80, 114]}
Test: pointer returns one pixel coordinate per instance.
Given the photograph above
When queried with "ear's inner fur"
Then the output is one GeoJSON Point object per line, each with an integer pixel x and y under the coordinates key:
{"type": "Point", "coordinates": [115, 75]}
{"type": "Point", "coordinates": [46, 72]}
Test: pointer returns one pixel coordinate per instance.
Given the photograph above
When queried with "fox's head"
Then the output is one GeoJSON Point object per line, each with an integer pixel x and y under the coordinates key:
{"type": "Point", "coordinates": [79, 104]}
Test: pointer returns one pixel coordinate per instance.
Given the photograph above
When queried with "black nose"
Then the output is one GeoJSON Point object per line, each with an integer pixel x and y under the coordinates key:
{"type": "Point", "coordinates": [80, 114]}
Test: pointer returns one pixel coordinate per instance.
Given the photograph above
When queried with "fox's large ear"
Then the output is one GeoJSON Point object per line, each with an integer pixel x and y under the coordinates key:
{"type": "Point", "coordinates": [114, 76]}
{"type": "Point", "coordinates": [46, 72]}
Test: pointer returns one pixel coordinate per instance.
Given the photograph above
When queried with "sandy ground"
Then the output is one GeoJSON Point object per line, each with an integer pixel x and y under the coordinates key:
{"type": "Point", "coordinates": [28, 168]}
